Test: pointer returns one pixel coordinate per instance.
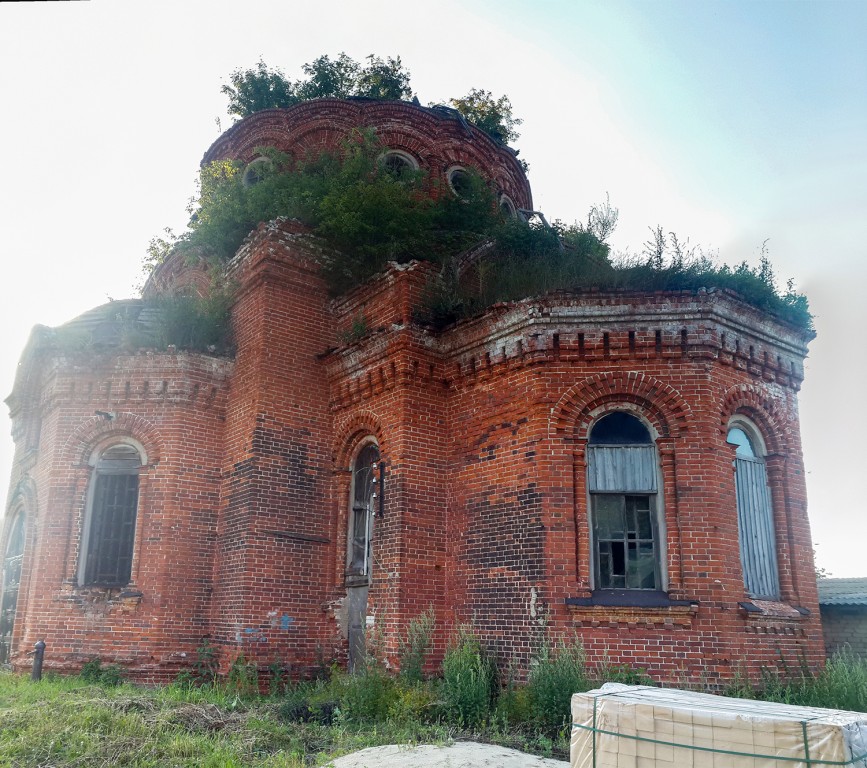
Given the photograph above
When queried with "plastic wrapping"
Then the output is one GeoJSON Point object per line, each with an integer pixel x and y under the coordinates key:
{"type": "Point", "coordinates": [625, 726]}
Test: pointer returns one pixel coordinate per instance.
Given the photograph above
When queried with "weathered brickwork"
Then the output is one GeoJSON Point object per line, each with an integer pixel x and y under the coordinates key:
{"type": "Point", "coordinates": [845, 629]}
{"type": "Point", "coordinates": [173, 405]}
{"type": "Point", "coordinates": [244, 527]}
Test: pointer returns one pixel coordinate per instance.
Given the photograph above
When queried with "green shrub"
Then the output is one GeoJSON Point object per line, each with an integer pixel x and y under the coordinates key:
{"type": "Point", "coordinates": [243, 678]}
{"type": "Point", "coordinates": [367, 695]}
{"type": "Point", "coordinates": [468, 681]}
{"type": "Point", "coordinates": [93, 672]}
{"type": "Point", "coordinates": [556, 673]}
{"type": "Point", "coordinates": [622, 673]}
{"type": "Point", "coordinates": [412, 650]}
{"type": "Point", "coordinates": [840, 684]}
{"type": "Point", "coordinates": [416, 703]}
{"type": "Point", "coordinates": [513, 707]}
{"type": "Point", "coordinates": [204, 669]}
{"type": "Point", "coordinates": [195, 322]}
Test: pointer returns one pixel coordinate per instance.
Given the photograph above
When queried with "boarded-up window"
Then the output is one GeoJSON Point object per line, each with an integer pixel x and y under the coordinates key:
{"type": "Point", "coordinates": [107, 548]}
{"type": "Point", "coordinates": [622, 471]}
{"type": "Point", "coordinates": [755, 515]}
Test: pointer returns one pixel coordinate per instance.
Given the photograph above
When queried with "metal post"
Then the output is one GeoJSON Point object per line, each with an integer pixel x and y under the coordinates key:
{"type": "Point", "coordinates": [38, 654]}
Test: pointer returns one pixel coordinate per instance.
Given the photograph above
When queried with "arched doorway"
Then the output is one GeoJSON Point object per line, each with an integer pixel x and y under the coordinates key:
{"type": "Point", "coordinates": [10, 582]}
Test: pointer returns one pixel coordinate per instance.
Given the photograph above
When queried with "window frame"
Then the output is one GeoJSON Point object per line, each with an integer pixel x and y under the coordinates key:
{"type": "Point", "coordinates": [360, 575]}
{"type": "Point", "coordinates": [653, 493]}
{"type": "Point", "coordinates": [93, 534]}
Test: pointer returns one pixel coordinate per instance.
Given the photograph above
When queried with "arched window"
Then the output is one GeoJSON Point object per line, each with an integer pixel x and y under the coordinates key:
{"type": "Point", "coordinates": [399, 164]}
{"type": "Point", "coordinates": [363, 506]}
{"type": "Point", "coordinates": [755, 511]}
{"type": "Point", "coordinates": [112, 505]}
{"type": "Point", "coordinates": [10, 581]}
{"type": "Point", "coordinates": [622, 472]}
{"type": "Point", "coordinates": [460, 181]}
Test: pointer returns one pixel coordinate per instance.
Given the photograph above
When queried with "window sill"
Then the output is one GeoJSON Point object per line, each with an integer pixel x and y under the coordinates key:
{"type": "Point", "coordinates": [773, 617]}
{"type": "Point", "coordinates": [633, 598]}
{"type": "Point", "coordinates": [126, 597]}
{"type": "Point", "coordinates": [626, 607]}
{"type": "Point", "coordinates": [356, 580]}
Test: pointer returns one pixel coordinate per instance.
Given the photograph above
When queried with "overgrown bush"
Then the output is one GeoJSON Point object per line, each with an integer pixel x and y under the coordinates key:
{"type": "Point", "coordinates": [366, 695]}
{"type": "Point", "coordinates": [204, 669]}
{"type": "Point", "coordinates": [93, 672]}
{"type": "Point", "coordinates": [194, 322]}
{"type": "Point", "coordinates": [416, 703]}
{"type": "Point", "coordinates": [413, 648]}
{"type": "Point", "coordinates": [558, 671]}
{"type": "Point", "coordinates": [243, 678]}
{"type": "Point", "coordinates": [840, 684]}
{"type": "Point", "coordinates": [468, 681]}
{"type": "Point", "coordinates": [622, 673]}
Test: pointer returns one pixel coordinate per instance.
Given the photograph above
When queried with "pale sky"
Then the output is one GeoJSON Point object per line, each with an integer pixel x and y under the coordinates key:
{"type": "Point", "coordinates": [727, 122]}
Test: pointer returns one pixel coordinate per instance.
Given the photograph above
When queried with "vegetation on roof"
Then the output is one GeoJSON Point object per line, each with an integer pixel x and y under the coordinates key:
{"type": "Point", "coordinates": [261, 87]}
{"type": "Point", "coordinates": [372, 213]}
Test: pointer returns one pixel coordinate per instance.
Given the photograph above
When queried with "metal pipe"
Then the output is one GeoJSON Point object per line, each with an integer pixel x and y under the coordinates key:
{"type": "Point", "coordinates": [38, 654]}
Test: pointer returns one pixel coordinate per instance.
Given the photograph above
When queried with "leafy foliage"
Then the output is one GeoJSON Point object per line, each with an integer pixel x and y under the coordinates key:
{"type": "Point", "coordinates": [558, 671]}
{"type": "Point", "coordinates": [252, 90]}
{"type": "Point", "coordinates": [494, 116]}
{"type": "Point", "coordinates": [194, 322]}
{"type": "Point", "coordinates": [368, 214]}
{"type": "Point", "coordinates": [414, 647]}
{"type": "Point", "coordinates": [840, 684]}
{"type": "Point", "coordinates": [341, 77]}
{"type": "Point", "coordinates": [384, 79]}
{"type": "Point", "coordinates": [468, 680]}
{"type": "Point", "coordinates": [371, 216]}
{"type": "Point", "coordinates": [94, 672]}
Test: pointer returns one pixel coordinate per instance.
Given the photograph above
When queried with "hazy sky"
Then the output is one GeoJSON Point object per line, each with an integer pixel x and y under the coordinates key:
{"type": "Point", "coordinates": [727, 122]}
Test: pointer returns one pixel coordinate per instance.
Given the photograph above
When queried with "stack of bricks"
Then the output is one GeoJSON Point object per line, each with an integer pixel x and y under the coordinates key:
{"type": "Point", "coordinates": [620, 726]}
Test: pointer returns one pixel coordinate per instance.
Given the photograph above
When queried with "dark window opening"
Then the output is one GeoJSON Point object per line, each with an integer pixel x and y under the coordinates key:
{"type": "Point", "coordinates": [461, 183]}
{"type": "Point", "coordinates": [625, 540]}
{"type": "Point", "coordinates": [364, 497]}
{"type": "Point", "coordinates": [619, 428]}
{"type": "Point", "coordinates": [398, 165]}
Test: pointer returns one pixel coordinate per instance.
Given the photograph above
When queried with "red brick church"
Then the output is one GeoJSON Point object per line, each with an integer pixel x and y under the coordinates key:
{"type": "Point", "coordinates": [618, 466]}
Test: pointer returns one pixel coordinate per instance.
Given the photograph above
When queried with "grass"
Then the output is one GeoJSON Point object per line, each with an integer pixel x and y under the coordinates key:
{"type": "Point", "coordinates": [70, 722]}
{"type": "Point", "coordinates": [66, 722]}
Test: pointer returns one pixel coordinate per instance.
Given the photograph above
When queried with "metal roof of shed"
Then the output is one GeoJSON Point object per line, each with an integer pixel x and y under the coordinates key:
{"type": "Point", "coordinates": [843, 591]}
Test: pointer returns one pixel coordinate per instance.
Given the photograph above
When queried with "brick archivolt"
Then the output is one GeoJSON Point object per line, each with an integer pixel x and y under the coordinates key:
{"type": "Point", "coordinates": [350, 430]}
{"type": "Point", "coordinates": [98, 429]}
{"type": "Point", "coordinates": [660, 402]}
{"type": "Point", "coordinates": [23, 496]}
{"type": "Point", "coordinates": [762, 408]}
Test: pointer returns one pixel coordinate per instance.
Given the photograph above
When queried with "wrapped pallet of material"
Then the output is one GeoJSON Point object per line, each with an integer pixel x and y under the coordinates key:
{"type": "Point", "coordinates": [628, 726]}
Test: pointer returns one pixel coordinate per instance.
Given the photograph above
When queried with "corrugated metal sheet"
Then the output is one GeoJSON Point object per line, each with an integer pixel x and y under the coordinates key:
{"type": "Point", "coordinates": [756, 526]}
{"type": "Point", "coordinates": [624, 468]}
{"type": "Point", "coordinates": [843, 591]}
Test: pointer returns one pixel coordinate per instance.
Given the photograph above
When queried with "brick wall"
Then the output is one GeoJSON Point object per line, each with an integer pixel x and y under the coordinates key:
{"type": "Point", "coordinates": [172, 405]}
{"type": "Point", "coordinates": [845, 628]}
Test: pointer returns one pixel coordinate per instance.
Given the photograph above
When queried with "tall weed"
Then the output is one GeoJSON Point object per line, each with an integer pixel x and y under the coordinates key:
{"type": "Point", "coordinates": [412, 650]}
{"type": "Point", "coordinates": [556, 673]}
{"type": "Point", "coordinates": [468, 681]}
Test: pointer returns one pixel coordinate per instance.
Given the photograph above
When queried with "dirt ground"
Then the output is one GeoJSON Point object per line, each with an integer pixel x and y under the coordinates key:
{"type": "Point", "coordinates": [464, 754]}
